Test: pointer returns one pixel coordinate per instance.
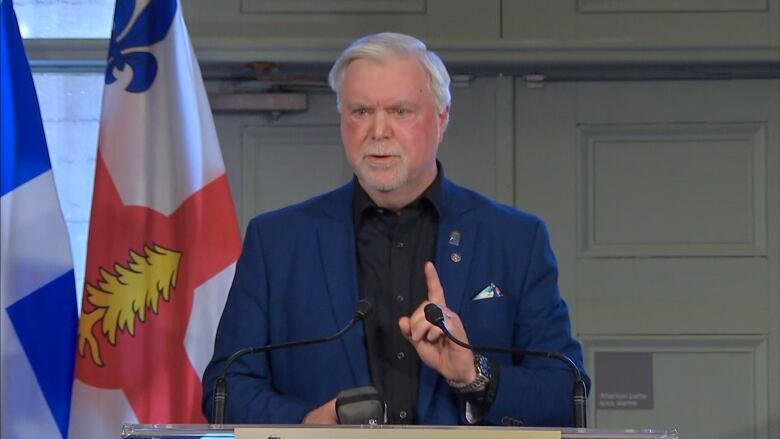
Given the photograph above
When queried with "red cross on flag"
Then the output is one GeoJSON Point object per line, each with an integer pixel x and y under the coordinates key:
{"type": "Point", "coordinates": [163, 236]}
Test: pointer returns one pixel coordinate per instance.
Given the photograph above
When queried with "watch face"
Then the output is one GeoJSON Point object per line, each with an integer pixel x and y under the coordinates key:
{"type": "Point", "coordinates": [483, 366]}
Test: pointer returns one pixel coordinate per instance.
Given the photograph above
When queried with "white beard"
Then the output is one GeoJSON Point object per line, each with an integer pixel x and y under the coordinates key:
{"type": "Point", "coordinates": [367, 173]}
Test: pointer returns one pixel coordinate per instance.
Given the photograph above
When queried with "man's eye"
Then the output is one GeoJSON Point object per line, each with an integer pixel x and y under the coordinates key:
{"type": "Point", "coordinates": [401, 111]}
{"type": "Point", "coordinates": [360, 111]}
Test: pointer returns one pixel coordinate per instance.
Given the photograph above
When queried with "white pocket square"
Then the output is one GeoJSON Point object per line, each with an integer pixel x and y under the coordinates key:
{"type": "Point", "coordinates": [489, 292]}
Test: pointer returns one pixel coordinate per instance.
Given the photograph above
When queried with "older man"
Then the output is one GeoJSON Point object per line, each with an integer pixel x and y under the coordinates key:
{"type": "Point", "coordinates": [401, 235]}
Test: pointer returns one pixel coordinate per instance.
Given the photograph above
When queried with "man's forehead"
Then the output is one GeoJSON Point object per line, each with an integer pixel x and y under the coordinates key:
{"type": "Point", "coordinates": [358, 102]}
{"type": "Point", "coordinates": [384, 100]}
{"type": "Point", "coordinates": [386, 81]}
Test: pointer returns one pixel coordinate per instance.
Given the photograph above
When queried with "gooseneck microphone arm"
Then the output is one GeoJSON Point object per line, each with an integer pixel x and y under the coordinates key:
{"type": "Point", "coordinates": [220, 385]}
{"type": "Point", "coordinates": [435, 317]}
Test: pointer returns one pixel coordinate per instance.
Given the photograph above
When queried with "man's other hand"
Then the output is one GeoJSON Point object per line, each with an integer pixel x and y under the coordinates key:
{"type": "Point", "coordinates": [324, 414]}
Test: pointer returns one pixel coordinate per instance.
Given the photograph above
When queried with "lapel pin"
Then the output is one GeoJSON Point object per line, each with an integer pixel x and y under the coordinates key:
{"type": "Point", "coordinates": [455, 257]}
{"type": "Point", "coordinates": [455, 238]}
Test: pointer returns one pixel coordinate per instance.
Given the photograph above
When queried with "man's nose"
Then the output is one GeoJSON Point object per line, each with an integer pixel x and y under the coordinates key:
{"type": "Point", "coordinates": [381, 128]}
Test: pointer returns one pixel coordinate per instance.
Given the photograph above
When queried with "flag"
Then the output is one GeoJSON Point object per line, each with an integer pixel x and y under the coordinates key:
{"type": "Point", "coordinates": [163, 235]}
{"type": "Point", "coordinates": [37, 286]}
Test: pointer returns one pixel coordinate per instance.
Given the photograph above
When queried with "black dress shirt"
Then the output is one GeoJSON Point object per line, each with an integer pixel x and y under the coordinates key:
{"type": "Point", "coordinates": [392, 248]}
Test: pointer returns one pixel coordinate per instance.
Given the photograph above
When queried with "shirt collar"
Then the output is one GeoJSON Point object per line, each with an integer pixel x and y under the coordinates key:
{"type": "Point", "coordinates": [433, 194]}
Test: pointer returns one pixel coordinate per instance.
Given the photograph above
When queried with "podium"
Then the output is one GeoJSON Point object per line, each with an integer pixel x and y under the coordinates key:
{"type": "Point", "coordinates": [167, 431]}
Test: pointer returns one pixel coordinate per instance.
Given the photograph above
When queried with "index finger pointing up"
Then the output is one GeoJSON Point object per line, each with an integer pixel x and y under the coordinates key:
{"type": "Point", "coordinates": [435, 291]}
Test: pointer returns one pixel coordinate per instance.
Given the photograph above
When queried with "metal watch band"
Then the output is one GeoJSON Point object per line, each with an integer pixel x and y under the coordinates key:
{"type": "Point", "coordinates": [484, 374]}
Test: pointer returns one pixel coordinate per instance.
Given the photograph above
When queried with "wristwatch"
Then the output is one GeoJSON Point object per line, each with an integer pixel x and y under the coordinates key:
{"type": "Point", "coordinates": [484, 374]}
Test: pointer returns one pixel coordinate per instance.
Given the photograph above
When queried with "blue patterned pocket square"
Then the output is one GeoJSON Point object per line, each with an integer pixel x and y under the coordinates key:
{"type": "Point", "coordinates": [489, 292]}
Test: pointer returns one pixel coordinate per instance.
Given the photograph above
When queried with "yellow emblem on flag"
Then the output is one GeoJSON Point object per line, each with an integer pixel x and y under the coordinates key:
{"type": "Point", "coordinates": [127, 293]}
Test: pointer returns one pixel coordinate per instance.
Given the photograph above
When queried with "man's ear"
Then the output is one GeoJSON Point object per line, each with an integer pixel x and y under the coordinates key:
{"type": "Point", "coordinates": [444, 120]}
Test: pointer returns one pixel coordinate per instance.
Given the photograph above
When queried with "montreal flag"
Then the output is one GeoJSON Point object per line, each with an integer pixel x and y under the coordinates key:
{"type": "Point", "coordinates": [163, 236]}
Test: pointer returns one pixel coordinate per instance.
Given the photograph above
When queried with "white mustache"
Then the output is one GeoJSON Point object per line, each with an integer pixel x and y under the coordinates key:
{"type": "Point", "coordinates": [381, 150]}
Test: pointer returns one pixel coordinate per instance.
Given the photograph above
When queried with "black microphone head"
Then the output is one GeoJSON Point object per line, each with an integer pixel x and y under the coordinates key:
{"type": "Point", "coordinates": [433, 314]}
{"type": "Point", "coordinates": [364, 308]}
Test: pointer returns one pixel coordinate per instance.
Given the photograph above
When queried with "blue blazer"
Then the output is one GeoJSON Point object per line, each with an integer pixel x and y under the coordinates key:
{"type": "Point", "coordinates": [296, 279]}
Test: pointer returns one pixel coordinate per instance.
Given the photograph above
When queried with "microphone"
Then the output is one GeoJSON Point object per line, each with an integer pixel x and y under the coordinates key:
{"type": "Point", "coordinates": [362, 311]}
{"type": "Point", "coordinates": [434, 316]}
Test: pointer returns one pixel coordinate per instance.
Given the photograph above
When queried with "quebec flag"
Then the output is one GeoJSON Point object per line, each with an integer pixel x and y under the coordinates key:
{"type": "Point", "coordinates": [37, 286]}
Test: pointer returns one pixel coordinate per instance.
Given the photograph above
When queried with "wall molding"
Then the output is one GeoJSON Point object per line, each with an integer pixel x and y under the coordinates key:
{"type": "Point", "coordinates": [655, 6]}
{"type": "Point", "coordinates": [333, 6]}
{"type": "Point", "coordinates": [706, 136]}
{"type": "Point", "coordinates": [556, 62]}
{"type": "Point", "coordinates": [755, 346]}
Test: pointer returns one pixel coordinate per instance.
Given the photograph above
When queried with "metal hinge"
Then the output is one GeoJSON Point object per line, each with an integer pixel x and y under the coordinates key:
{"type": "Point", "coordinates": [535, 80]}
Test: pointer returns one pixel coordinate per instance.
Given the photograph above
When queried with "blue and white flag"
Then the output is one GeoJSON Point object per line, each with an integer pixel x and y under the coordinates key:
{"type": "Point", "coordinates": [37, 287]}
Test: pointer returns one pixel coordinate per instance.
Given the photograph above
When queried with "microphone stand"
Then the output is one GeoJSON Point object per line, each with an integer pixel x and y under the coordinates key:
{"type": "Point", "coordinates": [435, 316]}
{"type": "Point", "coordinates": [220, 385]}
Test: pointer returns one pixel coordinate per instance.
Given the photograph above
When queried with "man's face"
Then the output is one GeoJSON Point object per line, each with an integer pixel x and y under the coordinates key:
{"type": "Point", "coordinates": [390, 126]}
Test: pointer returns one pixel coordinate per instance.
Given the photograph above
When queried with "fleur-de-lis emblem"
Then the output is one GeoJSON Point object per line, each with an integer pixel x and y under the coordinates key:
{"type": "Point", "coordinates": [130, 39]}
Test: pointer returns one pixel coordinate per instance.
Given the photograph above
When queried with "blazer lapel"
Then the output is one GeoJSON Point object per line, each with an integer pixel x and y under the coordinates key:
{"type": "Point", "coordinates": [457, 236]}
{"type": "Point", "coordinates": [336, 241]}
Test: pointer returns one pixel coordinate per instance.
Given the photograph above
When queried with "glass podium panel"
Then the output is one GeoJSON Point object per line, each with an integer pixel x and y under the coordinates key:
{"type": "Point", "coordinates": [169, 431]}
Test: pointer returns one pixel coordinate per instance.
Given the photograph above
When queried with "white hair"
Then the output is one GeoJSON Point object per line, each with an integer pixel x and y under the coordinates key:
{"type": "Point", "coordinates": [386, 46]}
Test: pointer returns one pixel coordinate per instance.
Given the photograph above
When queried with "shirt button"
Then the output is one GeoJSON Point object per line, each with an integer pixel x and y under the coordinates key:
{"type": "Point", "coordinates": [400, 356]}
{"type": "Point", "coordinates": [399, 298]}
{"type": "Point", "coordinates": [400, 244]}
{"type": "Point", "coordinates": [402, 414]}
